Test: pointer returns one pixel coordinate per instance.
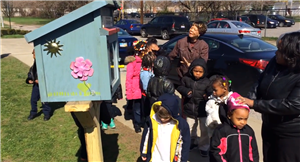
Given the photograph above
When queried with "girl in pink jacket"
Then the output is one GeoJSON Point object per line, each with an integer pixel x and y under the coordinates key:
{"type": "Point", "coordinates": [132, 84]}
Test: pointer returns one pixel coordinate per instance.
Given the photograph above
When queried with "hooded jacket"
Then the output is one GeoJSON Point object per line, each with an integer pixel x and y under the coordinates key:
{"type": "Point", "coordinates": [180, 137]}
{"type": "Point", "coordinates": [194, 104]}
{"type": "Point", "coordinates": [159, 84]}
{"type": "Point", "coordinates": [229, 144]}
{"type": "Point", "coordinates": [212, 110]}
{"type": "Point", "coordinates": [132, 83]}
{"type": "Point", "coordinates": [277, 98]}
{"type": "Point", "coordinates": [32, 74]}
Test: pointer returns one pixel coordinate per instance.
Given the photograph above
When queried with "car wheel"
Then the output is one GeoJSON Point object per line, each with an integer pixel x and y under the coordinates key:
{"type": "Point", "coordinates": [165, 35]}
{"type": "Point", "coordinates": [143, 33]}
{"type": "Point", "coordinates": [281, 24]}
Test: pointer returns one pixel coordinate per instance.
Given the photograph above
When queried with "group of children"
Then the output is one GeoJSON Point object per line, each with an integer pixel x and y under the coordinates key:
{"type": "Point", "coordinates": [213, 118]}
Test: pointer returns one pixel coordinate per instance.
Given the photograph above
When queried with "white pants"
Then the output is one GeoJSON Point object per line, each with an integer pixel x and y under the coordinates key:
{"type": "Point", "coordinates": [199, 134]}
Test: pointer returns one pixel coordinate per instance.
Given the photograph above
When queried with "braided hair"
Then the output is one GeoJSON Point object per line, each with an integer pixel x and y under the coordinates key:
{"type": "Point", "coordinates": [222, 81]}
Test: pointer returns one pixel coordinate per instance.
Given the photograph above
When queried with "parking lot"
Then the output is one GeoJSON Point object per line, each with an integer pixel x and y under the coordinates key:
{"type": "Point", "coordinates": [270, 32]}
{"type": "Point", "coordinates": [276, 32]}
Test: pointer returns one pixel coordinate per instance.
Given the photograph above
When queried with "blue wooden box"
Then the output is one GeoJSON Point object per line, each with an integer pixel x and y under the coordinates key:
{"type": "Point", "coordinates": [75, 53]}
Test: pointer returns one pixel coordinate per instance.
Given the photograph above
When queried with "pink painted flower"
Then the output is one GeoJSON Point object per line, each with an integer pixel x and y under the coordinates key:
{"type": "Point", "coordinates": [81, 69]}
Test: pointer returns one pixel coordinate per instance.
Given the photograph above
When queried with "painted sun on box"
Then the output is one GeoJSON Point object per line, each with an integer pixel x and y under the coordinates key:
{"type": "Point", "coordinates": [75, 53]}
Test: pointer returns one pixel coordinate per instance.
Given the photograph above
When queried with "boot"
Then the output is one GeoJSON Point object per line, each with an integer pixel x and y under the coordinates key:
{"type": "Point", "coordinates": [112, 123]}
{"type": "Point", "coordinates": [104, 126]}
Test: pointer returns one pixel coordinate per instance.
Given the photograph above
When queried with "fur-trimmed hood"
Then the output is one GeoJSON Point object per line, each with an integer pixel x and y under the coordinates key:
{"type": "Point", "coordinates": [129, 59]}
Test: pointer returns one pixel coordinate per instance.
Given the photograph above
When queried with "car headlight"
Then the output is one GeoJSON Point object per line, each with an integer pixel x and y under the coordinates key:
{"type": "Point", "coordinates": [271, 22]}
{"type": "Point", "coordinates": [287, 21]}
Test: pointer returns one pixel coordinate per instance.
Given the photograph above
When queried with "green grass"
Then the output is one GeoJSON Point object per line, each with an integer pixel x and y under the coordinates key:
{"type": "Point", "coordinates": [295, 18]}
{"type": "Point", "coordinates": [28, 20]}
{"type": "Point", "coordinates": [269, 38]}
{"type": "Point", "coordinates": [54, 140]}
{"type": "Point", "coordinates": [13, 36]}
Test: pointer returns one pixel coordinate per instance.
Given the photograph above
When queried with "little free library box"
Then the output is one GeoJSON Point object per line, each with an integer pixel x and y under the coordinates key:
{"type": "Point", "coordinates": [75, 53]}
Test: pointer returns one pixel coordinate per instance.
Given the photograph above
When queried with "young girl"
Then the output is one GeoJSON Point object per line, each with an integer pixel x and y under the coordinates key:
{"type": "Point", "coordinates": [146, 75]}
{"type": "Point", "coordinates": [132, 84]}
{"type": "Point", "coordinates": [166, 135]}
{"type": "Point", "coordinates": [234, 140]}
{"type": "Point", "coordinates": [220, 85]}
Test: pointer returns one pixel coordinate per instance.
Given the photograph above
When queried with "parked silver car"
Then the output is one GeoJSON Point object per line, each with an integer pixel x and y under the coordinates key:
{"type": "Point", "coordinates": [232, 26]}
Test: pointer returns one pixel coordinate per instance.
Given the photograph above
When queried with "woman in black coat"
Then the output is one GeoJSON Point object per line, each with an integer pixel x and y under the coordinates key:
{"type": "Point", "coordinates": [277, 98]}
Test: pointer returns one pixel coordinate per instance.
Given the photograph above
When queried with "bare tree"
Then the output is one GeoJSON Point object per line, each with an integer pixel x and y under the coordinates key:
{"type": "Point", "coordinates": [191, 6]}
{"type": "Point", "coordinates": [164, 5]}
{"type": "Point", "coordinates": [7, 8]}
{"type": "Point", "coordinates": [149, 5]}
{"type": "Point", "coordinates": [211, 8]}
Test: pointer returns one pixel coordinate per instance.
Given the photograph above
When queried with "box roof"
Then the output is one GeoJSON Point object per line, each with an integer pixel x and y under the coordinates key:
{"type": "Point", "coordinates": [68, 18]}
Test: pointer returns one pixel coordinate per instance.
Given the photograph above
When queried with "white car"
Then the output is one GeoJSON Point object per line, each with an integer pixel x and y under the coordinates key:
{"type": "Point", "coordinates": [232, 26]}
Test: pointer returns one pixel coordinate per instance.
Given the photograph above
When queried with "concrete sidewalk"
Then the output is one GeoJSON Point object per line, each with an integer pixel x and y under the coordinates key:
{"type": "Point", "coordinates": [21, 50]}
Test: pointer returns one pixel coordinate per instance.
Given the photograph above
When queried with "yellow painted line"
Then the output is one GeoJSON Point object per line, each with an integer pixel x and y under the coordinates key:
{"type": "Point", "coordinates": [120, 66]}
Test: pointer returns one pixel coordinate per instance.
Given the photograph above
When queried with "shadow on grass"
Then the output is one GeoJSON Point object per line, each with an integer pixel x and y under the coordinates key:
{"type": "Point", "coordinates": [109, 145]}
{"type": "Point", "coordinates": [56, 105]}
{"type": "Point", "coordinates": [4, 55]}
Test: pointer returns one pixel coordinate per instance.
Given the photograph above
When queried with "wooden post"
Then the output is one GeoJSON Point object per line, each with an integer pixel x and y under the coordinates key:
{"type": "Point", "coordinates": [142, 12]}
{"type": "Point", "coordinates": [88, 114]}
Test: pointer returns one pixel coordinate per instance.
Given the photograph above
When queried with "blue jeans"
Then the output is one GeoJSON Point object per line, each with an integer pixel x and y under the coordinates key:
{"type": "Point", "coordinates": [35, 96]}
{"type": "Point", "coordinates": [135, 105]}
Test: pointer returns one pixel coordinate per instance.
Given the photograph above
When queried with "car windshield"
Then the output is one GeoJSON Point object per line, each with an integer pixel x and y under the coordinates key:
{"type": "Point", "coordinates": [181, 19]}
{"type": "Point", "coordinates": [241, 25]}
{"type": "Point", "coordinates": [251, 44]}
{"type": "Point", "coordinates": [280, 17]}
{"type": "Point", "coordinates": [133, 22]}
{"type": "Point", "coordinates": [122, 32]}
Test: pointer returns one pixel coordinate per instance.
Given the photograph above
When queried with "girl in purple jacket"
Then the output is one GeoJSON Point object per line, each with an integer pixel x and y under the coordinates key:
{"type": "Point", "coordinates": [132, 84]}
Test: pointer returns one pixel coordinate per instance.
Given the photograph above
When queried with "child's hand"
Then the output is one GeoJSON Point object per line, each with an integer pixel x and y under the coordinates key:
{"type": "Point", "coordinates": [205, 97]}
{"type": "Point", "coordinates": [144, 158]}
{"type": "Point", "coordinates": [189, 94]}
{"type": "Point", "coordinates": [30, 81]}
{"type": "Point", "coordinates": [36, 81]}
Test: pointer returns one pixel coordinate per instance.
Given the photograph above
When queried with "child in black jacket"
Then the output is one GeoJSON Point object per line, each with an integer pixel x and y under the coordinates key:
{"type": "Point", "coordinates": [234, 140]}
{"type": "Point", "coordinates": [35, 94]}
{"type": "Point", "coordinates": [159, 84]}
{"type": "Point", "coordinates": [194, 88]}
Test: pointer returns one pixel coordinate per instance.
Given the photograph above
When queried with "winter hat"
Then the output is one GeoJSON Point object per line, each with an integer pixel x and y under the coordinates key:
{"type": "Point", "coordinates": [233, 103]}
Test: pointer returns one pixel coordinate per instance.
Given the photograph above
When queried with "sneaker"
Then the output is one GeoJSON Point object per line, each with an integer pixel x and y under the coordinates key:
{"type": "Point", "coordinates": [46, 118]}
{"type": "Point", "coordinates": [112, 123]}
{"type": "Point", "coordinates": [204, 153]}
{"type": "Point", "coordinates": [104, 126]}
{"type": "Point", "coordinates": [137, 129]}
{"type": "Point", "coordinates": [31, 116]}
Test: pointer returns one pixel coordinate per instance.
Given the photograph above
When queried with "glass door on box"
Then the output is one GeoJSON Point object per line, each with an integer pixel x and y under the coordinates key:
{"type": "Point", "coordinates": [113, 58]}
